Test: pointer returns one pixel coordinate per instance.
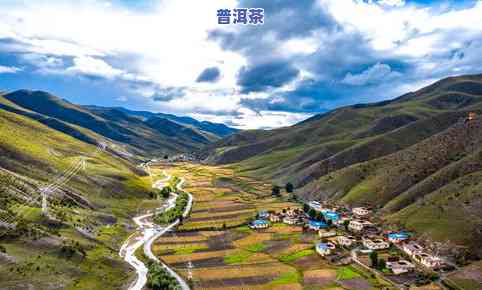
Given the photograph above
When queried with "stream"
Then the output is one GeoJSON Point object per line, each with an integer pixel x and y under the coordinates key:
{"type": "Point", "coordinates": [145, 235]}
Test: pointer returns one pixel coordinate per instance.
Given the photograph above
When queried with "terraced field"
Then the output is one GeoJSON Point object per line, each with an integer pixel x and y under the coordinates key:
{"type": "Point", "coordinates": [216, 250]}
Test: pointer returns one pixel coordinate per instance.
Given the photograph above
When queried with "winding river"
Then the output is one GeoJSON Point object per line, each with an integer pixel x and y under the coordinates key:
{"type": "Point", "coordinates": [147, 232]}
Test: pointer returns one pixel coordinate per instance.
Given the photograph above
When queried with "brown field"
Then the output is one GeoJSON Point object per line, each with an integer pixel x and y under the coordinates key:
{"type": "Point", "coordinates": [320, 278]}
{"type": "Point", "coordinates": [469, 277]}
{"type": "Point", "coordinates": [240, 258]}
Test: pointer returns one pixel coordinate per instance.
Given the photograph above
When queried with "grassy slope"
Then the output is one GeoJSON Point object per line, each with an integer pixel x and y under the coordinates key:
{"type": "Point", "coordinates": [36, 154]}
{"type": "Point", "coordinates": [391, 154]}
{"type": "Point", "coordinates": [141, 137]}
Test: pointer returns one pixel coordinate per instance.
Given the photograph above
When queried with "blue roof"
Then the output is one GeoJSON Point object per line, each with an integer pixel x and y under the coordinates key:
{"type": "Point", "coordinates": [322, 246]}
{"type": "Point", "coordinates": [260, 222]}
{"type": "Point", "coordinates": [320, 224]}
{"type": "Point", "coordinates": [399, 235]}
{"type": "Point", "coordinates": [331, 215]}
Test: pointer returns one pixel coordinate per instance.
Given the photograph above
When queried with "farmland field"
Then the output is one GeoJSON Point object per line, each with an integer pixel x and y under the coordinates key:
{"type": "Point", "coordinates": [215, 249]}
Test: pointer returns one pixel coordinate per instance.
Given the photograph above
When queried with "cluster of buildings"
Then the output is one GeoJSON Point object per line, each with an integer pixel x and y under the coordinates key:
{"type": "Point", "coordinates": [360, 231]}
{"type": "Point", "coordinates": [422, 256]}
{"type": "Point", "coordinates": [350, 228]}
{"type": "Point", "coordinates": [288, 216]}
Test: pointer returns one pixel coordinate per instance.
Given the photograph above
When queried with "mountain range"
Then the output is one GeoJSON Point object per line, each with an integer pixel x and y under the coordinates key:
{"type": "Point", "coordinates": [141, 132]}
{"type": "Point", "coordinates": [417, 157]}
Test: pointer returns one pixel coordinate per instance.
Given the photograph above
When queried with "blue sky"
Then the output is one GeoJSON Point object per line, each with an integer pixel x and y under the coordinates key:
{"type": "Point", "coordinates": [171, 56]}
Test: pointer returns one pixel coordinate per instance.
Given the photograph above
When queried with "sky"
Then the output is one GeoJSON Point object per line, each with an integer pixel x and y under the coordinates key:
{"type": "Point", "coordinates": [172, 56]}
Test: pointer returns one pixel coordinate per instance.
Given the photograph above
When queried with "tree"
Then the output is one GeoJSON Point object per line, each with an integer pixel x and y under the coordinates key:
{"type": "Point", "coordinates": [165, 191]}
{"type": "Point", "coordinates": [320, 217]}
{"type": "Point", "coordinates": [276, 190]}
{"type": "Point", "coordinates": [346, 223]}
{"type": "Point", "coordinates": [289, 187]}
{"type": "Point", "coordinates": [374, 259]}
{"type": "Point", "coordinates": [312, 213]}
{"type": "Point", "coordinates": [382, 264]}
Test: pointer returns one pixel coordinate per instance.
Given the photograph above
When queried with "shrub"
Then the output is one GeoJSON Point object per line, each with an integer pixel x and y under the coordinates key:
{"type": "Point", "coordinates": [159, 279]}
{"type": "Point", "coordinates": [175, 212]}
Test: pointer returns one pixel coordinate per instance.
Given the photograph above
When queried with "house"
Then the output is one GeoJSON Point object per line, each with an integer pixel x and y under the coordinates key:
{"type": "Point", "coordinates": [274, 218]}
{"type": "Point", "coordinates": [358, 225]}
{"type": "Point", "coordinates": [316, 225]}
{"type": "Point", "coordinates": [397, 237]}
{"type": "Point", "coordinates": [263, 214]}
{"type": "Point", "coordinates": [323, 233]}
{"type": "Point", "coordinates": [346, 241]}
{"type": "Point", "coordinates": [428, 260]}
{"type": "Point", "coordinates": [331, 215]}
{"type": "Point", "coordinates": [259, 224]}
{"type": "Point", "coordinates": [324, 249]}
{"type": "Point", "coordinates": [412, 248]}
{"type": "Point", "coordinates": [291, 220]}
{"type": "Point", "coordinates": [361, 211]}
{"type": "Point", "coordinates": [377, 244]}
{"type": "Point", "coordinates": [315, 205]}
{"type": "Point", "coordinates": [416, 251]}
{"type": "Point", "coordinates": [400, 266]}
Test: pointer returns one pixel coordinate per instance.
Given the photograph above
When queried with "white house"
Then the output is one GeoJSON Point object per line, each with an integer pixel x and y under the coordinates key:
{"type": "Point", "coordinates": [428, 260]}
{"type": "Point", "coordinates": [346, 241]}
{"type": "Point", "coordinates": [412, 248]}
{"type": "Point", "coordinates": [326, 233]}
{"type": "Point", "coordinates": [259, 224]}
{"type": "Point", "coordinates": [377, 244]}
{"type": "Point", "coordinates": [417, 253]}
{"type": "Point", "coordinates": [358, 225]}
{"type": "Point", "coordinates": [400, 267]}
{"type": "Point", "coordinates": [324, 249]}
{"type": "Point", "coordinates": [315, 205]}
{"type": "Point", "coordinates": [360, 211]}
{"type": "Point", "coordinates": [290, 220]}
{"type": "Point", "coordinates": [274, 218]}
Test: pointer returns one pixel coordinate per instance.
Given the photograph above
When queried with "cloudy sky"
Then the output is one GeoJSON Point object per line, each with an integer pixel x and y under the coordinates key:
{"type": "Point", "coordinates": [172, 56]}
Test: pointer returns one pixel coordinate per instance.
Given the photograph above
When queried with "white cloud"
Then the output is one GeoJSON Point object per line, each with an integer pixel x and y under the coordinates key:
{"type": "Point", "coordinates": [9, 69]}
{"type": "Point", "coordinates": [395, 3]}
{"type": "Point", "coordinates": [248, 119]}
{"type": "Point", "coordinates": [95, 67]}
{"type": "Point", "coordinates": [373, 75]}
{"type": "Point", "coordinates": [167, 47]}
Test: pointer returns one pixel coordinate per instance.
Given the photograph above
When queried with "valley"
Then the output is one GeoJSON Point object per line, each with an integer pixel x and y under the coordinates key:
{"type": "Point", "coordinates": [82, 198]}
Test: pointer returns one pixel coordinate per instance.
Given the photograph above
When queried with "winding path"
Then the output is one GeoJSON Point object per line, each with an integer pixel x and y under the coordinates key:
{"type": "Point", "coordinates": [147, 232]}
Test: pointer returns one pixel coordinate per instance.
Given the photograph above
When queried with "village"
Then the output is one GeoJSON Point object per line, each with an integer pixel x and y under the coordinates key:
{"type": "Point", "coordinates": [352, 235]}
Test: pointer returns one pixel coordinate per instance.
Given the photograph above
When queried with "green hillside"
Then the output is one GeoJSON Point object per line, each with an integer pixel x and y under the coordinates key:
{"type": "Point", "coordinates": [101, 197]}
{"type": "Point", "coordinates": [151, 136]}
{"type": "Point", "coordinates": [407, 156]}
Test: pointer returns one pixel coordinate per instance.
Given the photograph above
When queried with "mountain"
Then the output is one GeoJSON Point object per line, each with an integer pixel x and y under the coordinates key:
{"type": "Point", "coordinates": [417, 157]}
{"type": "Point", "coordinates": [141, 136]}
{"type": "Point", "coordinates": [92, 185]}
{"type": "Point", "coordinates": [217, 129]}
{"type": "Point", "coordinates": [85, 161]}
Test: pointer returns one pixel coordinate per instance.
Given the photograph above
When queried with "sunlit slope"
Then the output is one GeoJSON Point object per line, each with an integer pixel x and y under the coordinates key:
{"type": "Point", "coordinates": [416, 157]}
{"type": "Point", "coordinates": [33, 150]}
{"type": "Point", "coordinates": [152, 136]}
{"type": "Point", "coordinates": [350, 135]}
